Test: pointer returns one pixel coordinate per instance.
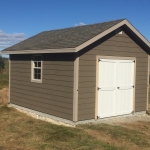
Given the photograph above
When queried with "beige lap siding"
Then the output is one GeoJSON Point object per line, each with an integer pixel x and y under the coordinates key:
{"type": "Point", "coordinates": [54, 95]}
{"type": "Point", "coordinates": [118, 45]}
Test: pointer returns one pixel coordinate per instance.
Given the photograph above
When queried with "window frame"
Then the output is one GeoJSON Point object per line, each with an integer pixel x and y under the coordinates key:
{"type": "Point", "coordinates": [32, 69]}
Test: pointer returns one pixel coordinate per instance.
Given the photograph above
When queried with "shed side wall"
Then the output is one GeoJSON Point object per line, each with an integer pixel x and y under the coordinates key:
{"type": "Point", "coordinates": [120, 45]}
{"type": "Point", "coordinates": [54, 95]}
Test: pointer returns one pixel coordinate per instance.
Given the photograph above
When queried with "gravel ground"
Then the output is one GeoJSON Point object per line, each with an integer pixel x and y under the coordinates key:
{"type": "Point", "coordinates": [112, 121]}
{"type": "Point", "coordinates": [125, 119]}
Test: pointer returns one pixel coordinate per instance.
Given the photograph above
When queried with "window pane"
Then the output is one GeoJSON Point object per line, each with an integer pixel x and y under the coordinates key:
{"type": "Point", "coordinates": [35, 76]}
{"type": "Point", "coordinates": [38, 70]}
{"type": "Point", "coordinates": [35, 70]}
{"type": "Point", "coordinates": [35, 64]}
{"type": "Point", "coordinates": [37, 67]}
{"type": "Point", "coordinates": [39, 76]}
{"type": "Point", "coordinates": [39, 64]}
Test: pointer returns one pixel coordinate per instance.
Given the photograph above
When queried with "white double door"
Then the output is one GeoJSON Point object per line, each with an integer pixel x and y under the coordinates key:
{"type": "Point", "coordinates": [115, 87]}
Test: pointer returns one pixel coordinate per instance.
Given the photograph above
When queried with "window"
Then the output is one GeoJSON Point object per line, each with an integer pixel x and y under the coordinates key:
{"type": "Point", "coordinates": [37, 68]}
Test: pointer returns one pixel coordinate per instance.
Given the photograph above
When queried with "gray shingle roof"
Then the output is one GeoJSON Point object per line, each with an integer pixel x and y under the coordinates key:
{"type": "Point", "coordinates": [63, 38]}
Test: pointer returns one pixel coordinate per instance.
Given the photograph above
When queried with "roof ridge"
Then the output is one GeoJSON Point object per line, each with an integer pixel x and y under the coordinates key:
{"type": "Point", "coordinates": [84, 25]}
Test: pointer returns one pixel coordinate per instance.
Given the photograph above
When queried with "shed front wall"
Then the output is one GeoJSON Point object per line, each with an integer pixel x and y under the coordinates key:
{"type": "Point", "coordinates": [54, 95]}
{"type": "Point", "coordinates": [120, 45]}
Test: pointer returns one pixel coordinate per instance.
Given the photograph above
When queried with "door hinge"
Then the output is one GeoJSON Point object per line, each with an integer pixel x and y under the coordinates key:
{"type": "Point", "coordinates": [133, 86]}
{"type": "Point", "coordinates": [98, 88]}
{"type": "Point", "coordinates": [134, 61]}
{"type": "Point", "coordinates": [99, 60]}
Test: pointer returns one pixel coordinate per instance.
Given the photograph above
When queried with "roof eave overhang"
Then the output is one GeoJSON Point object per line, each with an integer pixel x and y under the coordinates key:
{"type": "Point", "coordinates": [83, 45]}
{"type": "Point", "coordinates": [65, 50]}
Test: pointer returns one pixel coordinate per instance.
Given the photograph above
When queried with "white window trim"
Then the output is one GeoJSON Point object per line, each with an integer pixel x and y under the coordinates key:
{"type": "Point", "coordinates": [32, 72]}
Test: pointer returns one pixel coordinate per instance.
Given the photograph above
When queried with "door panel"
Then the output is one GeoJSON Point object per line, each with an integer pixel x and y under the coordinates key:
{"type": "Point", "coordinates": [106, 103]}
{"type": "Point", "coordinates": [107, 76]}
{"type": "Point", "coordinates": [125, 73]}
{"type": "Point", "coordinates": [124, 91]}
{"type": "Point", "coordinates": [124, 101]}
{"type": "Point", "coordinates": [107, 88]}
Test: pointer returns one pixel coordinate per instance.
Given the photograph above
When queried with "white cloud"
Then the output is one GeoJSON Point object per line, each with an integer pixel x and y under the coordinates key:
{"type": "Point", "coordinates": [79, 24]}
{"type": "Point", "coordinates": [7, 40]}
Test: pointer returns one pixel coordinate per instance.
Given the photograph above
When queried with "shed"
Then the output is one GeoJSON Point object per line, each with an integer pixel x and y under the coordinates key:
{"type": "Point", "coordinates": [82, 73]}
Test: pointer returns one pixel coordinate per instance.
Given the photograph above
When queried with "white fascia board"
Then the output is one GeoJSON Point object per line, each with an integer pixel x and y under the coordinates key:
{"type": "Point", "coordinates": [65, 50]}
{"type": "Point", "coordinates": [124, 22]}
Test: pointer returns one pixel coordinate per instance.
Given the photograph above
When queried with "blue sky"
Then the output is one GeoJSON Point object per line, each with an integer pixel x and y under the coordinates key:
{"type": "Point", "coordinates": [20, 19]}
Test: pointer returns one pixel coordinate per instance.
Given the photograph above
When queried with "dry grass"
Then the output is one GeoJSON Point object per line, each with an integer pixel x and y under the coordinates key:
{"type": "Point", "coordinates": [4, 96]}
{"type": "Point", "coordinates": [21, 132]}
{"type": "Point", "coordinates": [135, 136]}
{"type": "Point", "coordinates": [4, 76]}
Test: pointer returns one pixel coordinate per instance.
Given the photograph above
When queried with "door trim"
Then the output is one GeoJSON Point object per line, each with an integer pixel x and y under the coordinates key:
{"type": "Point", "coordinates": [148, 83]}
{"type": "Point", "coordinates": [9, 80]}
{"type": "Point", "coordinates": [97, 79]}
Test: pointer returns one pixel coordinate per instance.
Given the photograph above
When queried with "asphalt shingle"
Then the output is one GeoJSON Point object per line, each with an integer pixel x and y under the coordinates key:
{"type": "Point", "coordinates": [63, 38]}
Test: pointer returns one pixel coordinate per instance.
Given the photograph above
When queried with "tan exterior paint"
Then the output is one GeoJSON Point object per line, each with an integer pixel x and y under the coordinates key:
{"type": "Point", "coordinates": [97, 78]}
{"type": "Point", "coordinates": [54, 95]}
{"type": "Point", "coordinates": [117, 45]}
{"type": "Point", "coordinates": [75, 90]}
